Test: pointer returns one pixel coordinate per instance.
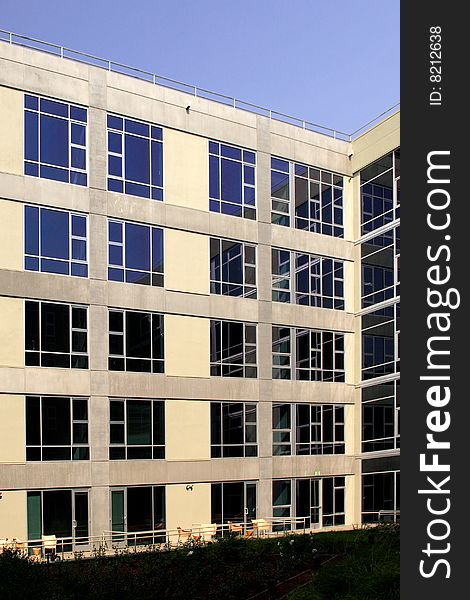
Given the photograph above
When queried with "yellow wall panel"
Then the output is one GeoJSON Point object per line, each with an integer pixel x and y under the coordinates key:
{"type": "Point", "coordinates": [187, 430]}
{"type": "Point", "coordinates": [11, 131]}
{"type": "Point", "coordinates": [187, 346]}
{"type": "Point", "coordinates": [11, 332]}
{"type": "Point", "coordinates": [186, 170]}
{"type": "Point", "coordinates": [12, 429]}
{"type": "Point", "coordinates": [13, 519]}
{"type": "Point", "coordinates": [185, 508]}
{"type": "Point", "coordinates": [11, 235]}
{"type": "Point", "coordinates": [186, 262]}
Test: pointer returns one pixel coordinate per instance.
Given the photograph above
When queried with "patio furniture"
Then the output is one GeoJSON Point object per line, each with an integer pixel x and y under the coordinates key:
{"type": "Point", "coordinates": [235, 527]}
{"type": "Point", "coordinates": [183, 535]}
{"type": "Point", "coordinates": [49, 543]}
{"type": "Point", "coordinates": [261, 526]}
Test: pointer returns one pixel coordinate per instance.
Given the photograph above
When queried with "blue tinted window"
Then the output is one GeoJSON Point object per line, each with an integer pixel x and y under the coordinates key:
{"type": "Point", "coordinates": [137, 247]}
{"type": "Point", "coordinates": [135, 158]}
{"type": "Point", "coordinates": [54, 141]}
{"type": "Point", "coordinates": [55, 241]}
{"type": "Point", "coordinates": [232, 180]}
{"type": "Point", "coordinates": [55, 234]}
{"type": "Point", "coordinates": [231, 175]}
{"type": "Point", "coordinates": [51, 136]}
{"type": "Point", "coordinates": [135, 253]}
{"type": "Point", "coordinates": [31, 233]}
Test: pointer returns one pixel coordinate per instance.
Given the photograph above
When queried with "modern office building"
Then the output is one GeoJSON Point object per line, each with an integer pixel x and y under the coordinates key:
{"type": "Point", "coordinates": [198, 307]}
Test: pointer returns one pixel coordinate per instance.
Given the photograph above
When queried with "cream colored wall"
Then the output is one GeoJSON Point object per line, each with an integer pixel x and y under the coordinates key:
{"type": "Point", "coordinates": [11, 332]}
{"type": "Point", "coordinates": [349, 287]}
{"type": "Point", "coordinates": [349, 358]}
{"type": "Point", "coordinates": [376, 142]}
{"type": "Point", "coordinates": [185, 508]}
{"type": "Point", "coordinates": [349, 212]}
{"type": "Point", "coordinates": [187, 430]}
{"type": "Point", "coordinates": [11, 234]}
{"type": "Point", "coordinates": [186, 170]}
{"type": "Point", "coordinates": [350, 429]}
{"type": "Point", "coordinates": [186, 262]}
{"type": "Point", "coordinates": [12, 429]}
{"type": "Point", "coordinates": [13, 517]}
{"type": "Point", "coordinates": [11, 131]}
{"type": "Point", "coordinates": [187, 346]}
{"type": "Point", "coordinates": [350, 493]}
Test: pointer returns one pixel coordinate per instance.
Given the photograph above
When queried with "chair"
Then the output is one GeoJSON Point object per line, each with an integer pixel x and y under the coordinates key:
{"type": "Point", "coordinates": [183, 534]}
{"type": "Point", "coordinates": [235, 527]}
{"type": "Point", "coordinates": [249, 534]}
{"type": "Point", "coordinates": [260, 526]}
{"type": "Point", "coordinates": [49, 543]}
{"type": "Point", "coordinates": [208, 531]}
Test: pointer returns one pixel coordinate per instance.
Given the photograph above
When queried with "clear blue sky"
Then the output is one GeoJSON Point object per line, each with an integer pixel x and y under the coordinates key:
{"type": "Point", "coordinates": [333, 62]}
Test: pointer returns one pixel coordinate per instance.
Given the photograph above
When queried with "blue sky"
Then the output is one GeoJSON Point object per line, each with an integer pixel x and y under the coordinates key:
{"type": "Point", "coordinates": [333, 62]}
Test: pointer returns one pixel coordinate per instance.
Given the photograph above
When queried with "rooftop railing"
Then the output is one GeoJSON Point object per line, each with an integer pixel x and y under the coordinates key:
{"type": "Point", "coordinates": [193, 90]}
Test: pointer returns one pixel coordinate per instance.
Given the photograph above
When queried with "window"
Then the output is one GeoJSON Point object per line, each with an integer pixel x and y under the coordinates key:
{"type": "Point", "coordinates": [381, 497]}
{"type": "Point", "coordinates": [380, 417]}
{"type": "Point", "coordinates": [315, 356]}
{"type": "Point", "coordinates": [135, 158]}
{"type": "Point", "coordinates": [306, 198]}
{"type": "Point", "coordinates": [63, 513]}
{"type": "Point", "coordinates": [232, 176]}
{"type": "Point", "coordinates": [314, 503]}
{"type": "Point", "coordinates": [135, 253]}
{"type": "Point", "coordinates": [137, 429]}
{"type": "Point", "coordinates": [310, 428]}
{"type": "Point", "coordinates": [233, 429]}
{"type": "Point", "coordinates": [380, 342]}
{"type": "Point", "coordinates": [55, 140]}
{"type": "Point", "coordinates": [380, 192]}
{"type": "Point", "coordinates": [233, 349]}
{"type": "Point", "coordinates": [56, 428]}
{"type": "Point", "coordinates": [56, 335]}
{"type": "Point", "coordinates": [233, 501]}
{"type": "Point", "coordinates": [136, 341]}
{"type": "Point", "coordinates": [55, 241]}
{"type": "Point", "coordinates": [377, 284]}
{"type": "Point", "coordinates": [318, 281]}
{"type": "Point", "coordinates": [139, 509]}
{"type": "Point", "coordinates": [233, 268]}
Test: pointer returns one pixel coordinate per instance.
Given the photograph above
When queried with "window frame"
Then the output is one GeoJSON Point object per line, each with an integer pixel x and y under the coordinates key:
{"type": "Point", "coordinates": [72, 329]}
{"type": "Point", "coordinates": [153, 275]}
{"type": "Point", "coordinates": [71, 237]}
{"type": "Point", "coordinates": [155, 449]}
{"type": "Point", "coordinates": [123, 334]}
{"type": "Point", "coordinates": [338, 445]}
{"type": "Point", "coordinates": [290, 291]}
{"type": "Point", "coordinates": [73, 445]}
{"type": "Point", "coordinates": [290, 215]}
{"type": "Point", "coordinates": [71, 144]}
{"type": "Point", "coordinates": [289, 369]}
{"type": "Point", "coordinates": [248, 369]}
{"type": "Point", "coordinates": [122, 156]}
{"type": "Point", "coordinates": [248, 290]}
{"type": "Point", "coordinates": [224, 448]}
{"type": "Point", "coordinates": [245, 208]}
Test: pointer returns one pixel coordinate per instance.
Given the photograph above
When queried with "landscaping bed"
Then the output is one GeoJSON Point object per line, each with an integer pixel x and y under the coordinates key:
{"type": "Point", "coordinates": [228, 569]}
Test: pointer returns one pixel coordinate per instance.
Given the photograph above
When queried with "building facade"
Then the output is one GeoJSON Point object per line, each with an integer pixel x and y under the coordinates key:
{"type": "Point", "coordinates": [198, 310]}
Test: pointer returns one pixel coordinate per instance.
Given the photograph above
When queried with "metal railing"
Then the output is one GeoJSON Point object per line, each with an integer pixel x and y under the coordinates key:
{"type": "Point", "coordinates": [111, 543]}
{"type": "Point", "coordinates": [193, 90]}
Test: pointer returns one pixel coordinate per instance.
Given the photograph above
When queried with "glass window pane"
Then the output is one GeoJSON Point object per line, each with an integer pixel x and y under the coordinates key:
{"type": "Point", "coordinates": [54, 234]}
{"type": "Point", "coordinates": [54, 143]}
